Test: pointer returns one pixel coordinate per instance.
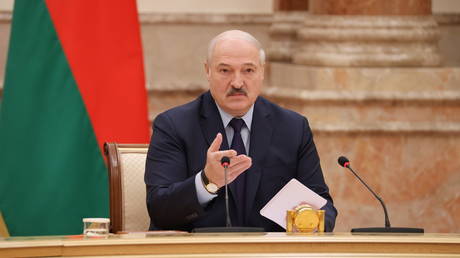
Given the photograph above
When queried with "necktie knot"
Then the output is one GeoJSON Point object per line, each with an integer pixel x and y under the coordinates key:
{"type": "Point", "coordinates": [237, 124]}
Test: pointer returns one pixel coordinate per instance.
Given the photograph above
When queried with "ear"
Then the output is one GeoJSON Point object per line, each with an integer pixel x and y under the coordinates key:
{"type": "Point", "coordinates": [207, 69]}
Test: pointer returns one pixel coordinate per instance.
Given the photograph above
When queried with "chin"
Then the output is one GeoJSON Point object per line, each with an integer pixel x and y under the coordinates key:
{"type": "Point", "coordinates": [238, 110]}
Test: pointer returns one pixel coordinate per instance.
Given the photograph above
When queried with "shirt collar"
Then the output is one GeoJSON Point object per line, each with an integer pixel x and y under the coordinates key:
{"type": "Point", "coordinates": [226, 117]}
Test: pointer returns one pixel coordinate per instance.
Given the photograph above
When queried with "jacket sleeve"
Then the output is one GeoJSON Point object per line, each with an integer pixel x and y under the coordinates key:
{"type": "Point", "coordinates": [310, 174]}
{"type": "Point", "coordinates": [172, 201]}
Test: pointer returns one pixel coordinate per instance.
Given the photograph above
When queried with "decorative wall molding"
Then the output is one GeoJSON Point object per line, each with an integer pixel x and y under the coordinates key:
{"type": "Point", "coordinates": [5, 16]}
{"type": "Point", "coordinates": [382, 41]}
{"type": "Point", "coordinates": [283, 35]}
{"type": "Point", "coordinates": [349, 101]}
{"type": "Point", "coordinates": [447, 18]}
{"type": "Point", "coordinates": [441, 18]}
{"type": "Point", "coordinates": [175, 87]}
{"type": "Point", "coordinates": [360, 97]}
{"type": "Point", "coordinates": [353, 97]}
{"type": "Point", "coordinates": [188, 18]}
{"type": "Point", "coordinates": [398, 128]}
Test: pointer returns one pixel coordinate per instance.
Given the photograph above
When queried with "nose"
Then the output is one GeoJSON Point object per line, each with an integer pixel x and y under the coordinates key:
{"type": "Point", "coordinates": [237, 81]}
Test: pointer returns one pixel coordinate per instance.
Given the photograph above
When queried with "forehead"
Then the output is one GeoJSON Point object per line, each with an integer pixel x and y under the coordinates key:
{"type": "Point", "coordinates": [235, 52]}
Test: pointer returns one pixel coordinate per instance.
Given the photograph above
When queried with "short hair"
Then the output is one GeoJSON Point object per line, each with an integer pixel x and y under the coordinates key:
{"type": "Point", "coordinates": [236, 34]}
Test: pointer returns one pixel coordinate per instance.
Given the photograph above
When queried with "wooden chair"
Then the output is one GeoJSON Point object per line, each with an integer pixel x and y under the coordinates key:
{"type": "Point", "coordinates": [128, 208]}
{"type": "Point", "coordinates": [3, 228]}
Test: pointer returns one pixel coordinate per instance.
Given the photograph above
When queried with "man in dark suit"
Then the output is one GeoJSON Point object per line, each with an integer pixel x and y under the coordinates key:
{"type": "Point", "coordinates": [267, 146]}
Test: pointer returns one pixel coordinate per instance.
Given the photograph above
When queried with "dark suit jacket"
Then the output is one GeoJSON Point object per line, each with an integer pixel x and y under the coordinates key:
{"type": "Point", "coordinates": [281, 148]}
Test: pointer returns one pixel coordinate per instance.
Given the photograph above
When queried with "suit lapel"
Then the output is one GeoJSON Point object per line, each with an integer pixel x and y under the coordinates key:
{"type": "Point", "coordinates": [211, 122]}
{"type": "Point", "coordinates": [261, 133]}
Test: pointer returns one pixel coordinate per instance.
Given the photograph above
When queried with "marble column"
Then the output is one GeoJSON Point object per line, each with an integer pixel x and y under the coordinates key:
{"type": "Point", "coordinates": [378, 33]}
{"type": "Point", "coordinates": [283, 35]}
{"type": "Point", "coordinates": [287, 19]}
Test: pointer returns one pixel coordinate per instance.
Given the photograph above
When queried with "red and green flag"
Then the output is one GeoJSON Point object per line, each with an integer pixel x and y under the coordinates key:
{"type": "Point", "coordinates": [74, 80]}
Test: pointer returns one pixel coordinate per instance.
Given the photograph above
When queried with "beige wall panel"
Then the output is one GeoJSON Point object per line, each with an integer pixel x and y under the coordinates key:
{"type": "Point", "coordinates": [4, 38]}
{"type": "Point", "coordinates": [191, 6]}
{"type": "Point", "coordinates": [448, 44]}
{"type": "Point", "coordinates": [175, 53]}
{"type": "Point", "coordinates": [6, 5]}
{"type": "Point", "coordinates": [206, 6]}
{"type": "Point", "coordinates": [446, 6]}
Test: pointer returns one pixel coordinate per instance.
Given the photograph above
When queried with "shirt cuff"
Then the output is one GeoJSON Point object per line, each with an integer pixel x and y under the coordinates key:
{"type": "Point", "coordinates": [203, 195]}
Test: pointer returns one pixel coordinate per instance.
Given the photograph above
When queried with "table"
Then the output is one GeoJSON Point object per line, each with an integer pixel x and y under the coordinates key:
{"type": "Point", "coordinates": [177, 244]}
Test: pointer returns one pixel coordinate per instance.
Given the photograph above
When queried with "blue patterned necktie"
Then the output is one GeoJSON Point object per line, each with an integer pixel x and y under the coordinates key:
{"type": "Point", "coordinates": [240, 181]}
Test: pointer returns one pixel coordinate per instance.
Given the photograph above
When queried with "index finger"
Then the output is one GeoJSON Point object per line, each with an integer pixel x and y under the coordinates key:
{"type": "Point", "coordinates": [215, 145]}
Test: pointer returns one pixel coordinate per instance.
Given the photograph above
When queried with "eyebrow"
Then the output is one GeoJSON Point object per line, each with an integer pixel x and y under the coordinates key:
{"type": "Point", "coordinates": [245, 64]}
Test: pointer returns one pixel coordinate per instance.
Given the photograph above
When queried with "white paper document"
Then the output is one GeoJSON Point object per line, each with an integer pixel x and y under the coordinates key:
{"type": "Point", "coordinates": [291, 195]}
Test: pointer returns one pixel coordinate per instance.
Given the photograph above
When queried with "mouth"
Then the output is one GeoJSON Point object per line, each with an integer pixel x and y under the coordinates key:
{"type": "Point", "coordinates": [237, 94]}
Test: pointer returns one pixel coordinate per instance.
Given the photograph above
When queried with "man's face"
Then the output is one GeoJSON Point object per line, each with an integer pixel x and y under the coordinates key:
{"type": "Point", "coordinates": [235, 75]}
